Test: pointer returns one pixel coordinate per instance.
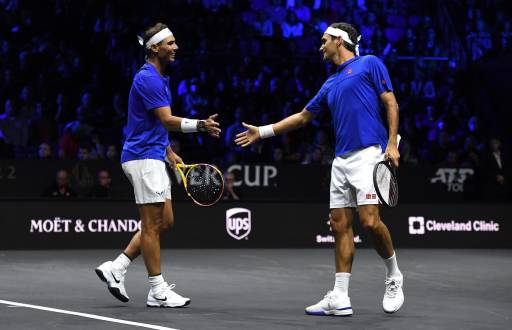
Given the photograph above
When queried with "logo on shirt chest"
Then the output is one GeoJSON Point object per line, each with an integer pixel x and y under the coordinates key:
{"type": "Point", "coordinates": [349, 71]}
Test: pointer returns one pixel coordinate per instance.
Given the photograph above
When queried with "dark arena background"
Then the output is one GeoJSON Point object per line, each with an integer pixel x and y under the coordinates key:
{"type": "Point", "coordinates": [262, 254]}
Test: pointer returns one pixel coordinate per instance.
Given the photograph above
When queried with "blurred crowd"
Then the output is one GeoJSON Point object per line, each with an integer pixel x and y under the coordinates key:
{"type": "Point", "coordinates": [66, 68]}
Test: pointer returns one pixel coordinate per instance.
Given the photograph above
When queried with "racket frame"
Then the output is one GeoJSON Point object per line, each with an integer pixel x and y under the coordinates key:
{"type": "Point", "coordinates": [185, 169]}
{"type": "Point", "coordinates": [392, 171]}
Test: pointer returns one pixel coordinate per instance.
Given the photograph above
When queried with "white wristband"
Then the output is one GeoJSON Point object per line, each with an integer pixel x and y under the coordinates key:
{"type": "Point", "coordinates": [266, 131]}
{"type": "Point", "coordinates": [189, 125]}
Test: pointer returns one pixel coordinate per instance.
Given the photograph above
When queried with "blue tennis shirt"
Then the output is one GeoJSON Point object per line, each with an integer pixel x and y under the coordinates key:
{"type": "Point", "coordinates": [146, 137]}
{"type": "Point", "coordinates": [352, 96]}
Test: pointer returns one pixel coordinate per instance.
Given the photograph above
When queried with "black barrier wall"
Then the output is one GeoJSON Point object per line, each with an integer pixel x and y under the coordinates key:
{"type": "Point", "coordinates": [94, 224]}
{"type": "Point", "coordinates": [255, 182]}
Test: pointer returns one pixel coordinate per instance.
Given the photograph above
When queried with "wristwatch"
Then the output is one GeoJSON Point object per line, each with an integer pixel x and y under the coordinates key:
{"type": "Point", "coordinates": [201, 126]}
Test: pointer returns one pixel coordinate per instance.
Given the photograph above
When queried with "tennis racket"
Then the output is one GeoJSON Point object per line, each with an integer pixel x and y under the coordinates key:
{"type": "Point", "coordinates": [385, 182]}
{"type": "Point", "coordinates": [204, 183]}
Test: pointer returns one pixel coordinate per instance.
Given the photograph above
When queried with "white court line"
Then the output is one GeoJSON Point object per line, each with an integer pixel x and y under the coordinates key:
{"type": "Point", "coordinates": [91, 316]}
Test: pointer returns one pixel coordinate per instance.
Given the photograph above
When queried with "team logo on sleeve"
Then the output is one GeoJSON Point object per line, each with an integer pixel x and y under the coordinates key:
{"type": "Point", "coordinates": [238, 222]}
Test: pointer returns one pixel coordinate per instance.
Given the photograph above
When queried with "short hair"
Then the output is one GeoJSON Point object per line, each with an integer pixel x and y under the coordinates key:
{"type": "Point", "coordinates": [150, 32]}
{"type": "Point", "coordinates": [352, 34]}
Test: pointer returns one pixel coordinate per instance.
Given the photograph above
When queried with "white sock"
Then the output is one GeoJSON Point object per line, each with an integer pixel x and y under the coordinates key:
{"type": "Point", "coordinates": [121, 263]}
{"type": "Point", "coordinates": [392, 266]}
{"type": "Point", "coordinates": [341, 284]}
{"type": "Point", "coordinates": [156, 281]}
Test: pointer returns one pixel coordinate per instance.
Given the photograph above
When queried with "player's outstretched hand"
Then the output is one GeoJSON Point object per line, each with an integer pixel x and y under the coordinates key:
{"type": "Point", "coordinates": [211, 126]}
{"type": "Point", "coordinates": [248, 137]}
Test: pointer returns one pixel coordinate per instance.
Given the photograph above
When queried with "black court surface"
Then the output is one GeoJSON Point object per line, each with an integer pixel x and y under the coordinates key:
{"type": "Point", "coordinates": [256, 289]}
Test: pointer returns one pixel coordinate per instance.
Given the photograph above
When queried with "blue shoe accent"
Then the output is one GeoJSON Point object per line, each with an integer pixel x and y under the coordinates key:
{"type": "Point", "coordinates": [344, 308]}
{"type": "Point", "coordinates": [316, 313]}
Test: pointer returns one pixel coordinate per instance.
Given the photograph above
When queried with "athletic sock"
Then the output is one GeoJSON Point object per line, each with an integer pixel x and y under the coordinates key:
{"type": "Point", "coordinates": [341, 284]}
{"type": "Point", "coordinates": [122, 262]}
{"type": "Point", "coordinates": [156, 281]}
{"type": "Point", "coordinates": [392, 266]}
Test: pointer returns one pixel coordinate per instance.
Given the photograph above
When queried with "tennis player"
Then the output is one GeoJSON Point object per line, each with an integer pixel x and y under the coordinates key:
{"type": "Point", "coordinates": [147, 144]}
{"type": "Point", "coordinates": [353, 95]}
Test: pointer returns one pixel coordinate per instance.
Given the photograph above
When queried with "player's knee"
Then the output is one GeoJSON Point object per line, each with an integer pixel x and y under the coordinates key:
{"type": "Point", "coordinates": [339, 225]}
{"type": "Point", "coordinates": [152, 226]}
{"type": "Point", "coordinates": [168, 222]}
{"type": "Point", "coordinates": [151, 230]}
{"type": "Point", "coordinates": [370, 222]}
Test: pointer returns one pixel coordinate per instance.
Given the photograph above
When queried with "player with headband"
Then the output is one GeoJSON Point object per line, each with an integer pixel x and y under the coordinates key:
{"type": "Point", "coordinates": [353, 95]}
{"type": "Point", "coordinates": [144, 152]}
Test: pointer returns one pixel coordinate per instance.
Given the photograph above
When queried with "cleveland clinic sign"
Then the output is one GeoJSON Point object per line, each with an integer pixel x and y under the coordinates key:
{"type": "Point", "coordinates": [419, 226]}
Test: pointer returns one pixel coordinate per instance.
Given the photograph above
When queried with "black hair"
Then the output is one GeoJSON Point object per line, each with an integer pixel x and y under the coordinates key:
{"type": "Point", "coordinates": [150, 32]}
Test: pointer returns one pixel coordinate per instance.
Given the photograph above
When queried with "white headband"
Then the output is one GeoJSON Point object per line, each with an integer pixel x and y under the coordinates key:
{"type": "Point", "coordinates": [156, 38]}
{"type": "Point", "coordinates": [335, 32]}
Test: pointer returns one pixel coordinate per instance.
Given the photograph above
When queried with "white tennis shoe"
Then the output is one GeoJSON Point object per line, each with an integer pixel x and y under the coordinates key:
{"type": "Point", "coordinates": [393, 295]}
{"type": "Point", "coordinates": [114, 279]}
{"type": "Point", "coordinates": [331, 304]}
{"type": "Point", "coordinates": [164, 296]}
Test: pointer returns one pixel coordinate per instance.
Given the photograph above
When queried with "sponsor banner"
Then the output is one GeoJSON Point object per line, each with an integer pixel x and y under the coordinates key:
{"type": "Point", "coordinates": [95, 224]}
{"type": "Point", "coordinates": [238, 222]}
{"type": "Point", "coordinates": [254, 182]}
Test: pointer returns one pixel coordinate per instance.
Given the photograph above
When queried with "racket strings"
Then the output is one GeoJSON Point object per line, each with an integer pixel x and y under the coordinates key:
{"type": "Point", "coordinates": [387, 185]}
{"type": "Point", "coordinates": [205, 184]}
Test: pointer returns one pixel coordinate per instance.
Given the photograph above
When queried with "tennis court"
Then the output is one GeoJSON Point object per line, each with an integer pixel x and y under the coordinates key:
{"type": "Point", "coordinates": [258, 289]}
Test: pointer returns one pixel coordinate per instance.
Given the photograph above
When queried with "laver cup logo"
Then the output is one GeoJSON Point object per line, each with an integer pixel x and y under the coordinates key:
{"type": "Point", "coordinates": [238, 222]}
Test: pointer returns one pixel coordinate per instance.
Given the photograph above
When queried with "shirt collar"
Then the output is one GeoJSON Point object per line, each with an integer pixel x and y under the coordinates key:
{"type": "Point", "coordinates": [152, 68]}
{"type": "Point", "coordinates": [344, 64]}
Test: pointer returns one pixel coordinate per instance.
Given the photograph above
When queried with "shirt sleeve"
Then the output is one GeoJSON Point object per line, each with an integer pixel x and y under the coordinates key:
{"type": "Point", "coordinates": [319, 102]}
{"type": "Point", "coordinates": [153, 93]}
{"type": "Point", "coordinates": [379, 75]}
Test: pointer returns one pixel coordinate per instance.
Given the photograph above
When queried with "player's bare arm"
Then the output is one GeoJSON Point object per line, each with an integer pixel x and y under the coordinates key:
{"type": "Point", "coordinates": [173, 157]}
{"type": "Point", "coordinates": [174, 123]}
{"type": "Point", "coordinates": [290, 123]}
{"type": "Point", "coordinates": [389, 101]}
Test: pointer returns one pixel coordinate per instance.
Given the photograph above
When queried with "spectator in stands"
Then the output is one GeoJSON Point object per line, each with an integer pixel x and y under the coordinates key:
{"type": "Point", "coordinates": [302, 12]}
{"type": "Point", "coordinates": [291, 27]}
{"type": "Point", "coordinates": [6, 150]}
{"type": "Point", "coordinates": [103, 187]}
{"type": "Point", "coordinates": [82, 179]}
{"type": "Point", "coordinates": [244, 74]}
{"type": "Point", "coordinates": [112, 154]}
{"type": "Point", "coordinates": [229, 189]}
{"type": "Point", "coordinates": [233, 129]}
{"type": "Point", "coordinates": [479, 40]}
{"type": "Point", "coordinates": [263, 25]}
{"type": "Point", "coordinates": [44, 151]}
{"type": "Point", "coordinates": [61, 187]}
{"type": "Point", "coordinates": [79, 129]}
{"type": "Point", "coordinates": [498, 173]}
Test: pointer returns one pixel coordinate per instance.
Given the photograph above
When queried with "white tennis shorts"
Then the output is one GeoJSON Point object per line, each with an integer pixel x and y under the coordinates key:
{"type": "Point", "coordinates": [149, 179]}
{"type": "Point", "coordinates": [352, 178]}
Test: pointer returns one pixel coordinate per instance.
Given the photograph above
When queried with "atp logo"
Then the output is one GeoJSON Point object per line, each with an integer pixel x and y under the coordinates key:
{"type": "Point", "coordinates": [416, 225]}
{"type": "Point", "coordinates": [238, 222]}
{"type": "Point", "coordinates": [453, 178]}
